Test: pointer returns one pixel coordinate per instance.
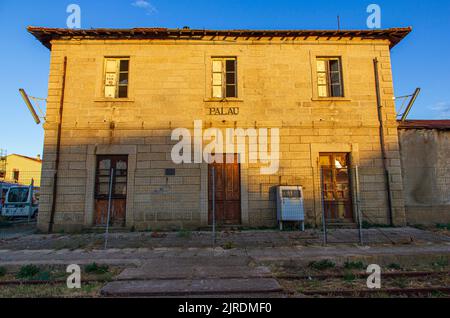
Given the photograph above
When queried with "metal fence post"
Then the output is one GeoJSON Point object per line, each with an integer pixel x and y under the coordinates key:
{"type": "Point", "coordinates": [109, 207]}
{"type": "Point", "coordinates": [324, 219]}
{"type": "Point", "coordinates": [213, 172]}
{"type": "Point", "coordinates": [358, 206]}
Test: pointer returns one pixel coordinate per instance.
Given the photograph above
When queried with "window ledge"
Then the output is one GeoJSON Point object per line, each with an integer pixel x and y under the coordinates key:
{"type": "Point", "coordinates": [331, 99]}
{"type": "Point", "coordinates": [114, 100]}
{"type": "Point", "coordinates": [223, 100]}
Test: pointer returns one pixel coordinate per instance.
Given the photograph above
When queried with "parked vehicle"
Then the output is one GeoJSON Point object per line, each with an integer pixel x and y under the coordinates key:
{"type": "Point", "coordinates": [4, 187]}
{"type": "Point", "coordinates": [21, 201]}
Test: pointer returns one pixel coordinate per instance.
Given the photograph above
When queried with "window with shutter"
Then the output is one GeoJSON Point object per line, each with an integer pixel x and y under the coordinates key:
{"type": "Point", "coordinates": [329, 77]}
{"type": "Point", "coordinates": [116, 77]}
{"type": "Point", "coordinates": [224, 78]}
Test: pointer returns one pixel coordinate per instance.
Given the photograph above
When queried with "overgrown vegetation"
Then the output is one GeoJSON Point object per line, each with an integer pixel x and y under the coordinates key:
{"type": "Point", "coordinates": [443, 226]}
{"type": "Point", "coordinates": [395, 266]}
{"type": "Point", "coordinates": [184, 233]}
{"type": "Point", "coordinates": [94, 268]}
{"type": "Point", "coordinates": [367, 225]}
{"type": "Point", "coordinates": [354, 265]}
{"type": "Point", "coordinates": [229, 246]}
{"type": "Point", "coordinates": [322, 265]}
{"type": "Point", "coordinates": [28, 272]}
{"type": "Point", "coordinates": [442, 262]}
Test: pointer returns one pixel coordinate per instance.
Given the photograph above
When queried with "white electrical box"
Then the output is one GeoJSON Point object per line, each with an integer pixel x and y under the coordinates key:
{"type": "Point", "coordinates": [290, 205]}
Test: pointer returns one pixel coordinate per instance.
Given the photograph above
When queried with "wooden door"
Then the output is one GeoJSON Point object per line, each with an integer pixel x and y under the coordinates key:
{"type": "Point", "coordinates": [105, 164]}
{"type": "Point", "coordinates": [227, 192]}
{"type": "Point", "coordinates": [336, 187]}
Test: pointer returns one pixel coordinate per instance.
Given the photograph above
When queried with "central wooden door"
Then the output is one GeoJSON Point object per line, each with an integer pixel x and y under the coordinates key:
{"type": "Point", "coordinates": [118, 166]}
{"type": "Point", "coordinates": [336, 187]}
{"type": "Point", "coordinates": [227, 192]}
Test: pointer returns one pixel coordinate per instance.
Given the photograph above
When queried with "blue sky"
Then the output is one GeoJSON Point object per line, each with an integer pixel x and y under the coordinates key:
{"type": "Point", "coordinates": [420, 61]}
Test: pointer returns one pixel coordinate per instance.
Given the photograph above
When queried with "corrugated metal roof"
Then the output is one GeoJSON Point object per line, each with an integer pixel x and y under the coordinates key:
{"type": "Point", "coordinates": [46, 35]}
{"type": "Point", "coordinates": [425, 124]}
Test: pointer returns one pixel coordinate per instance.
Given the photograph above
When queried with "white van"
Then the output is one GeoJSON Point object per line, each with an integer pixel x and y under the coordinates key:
{"type": "Point", "coordinates": [4, 187]}
{"type": "Point", "coordinates": [21, 202]}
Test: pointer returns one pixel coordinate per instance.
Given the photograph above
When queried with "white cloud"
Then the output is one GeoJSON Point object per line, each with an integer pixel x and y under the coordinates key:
{"type": "Point", "coordinates": [145, 5]}
{"type": "Point", "coordinates": [443, 109]}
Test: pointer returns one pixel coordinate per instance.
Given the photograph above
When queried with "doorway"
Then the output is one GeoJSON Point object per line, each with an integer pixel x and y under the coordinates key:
{"type": "Point", "coordinates": [118, 166]}
{"type": "Point", "coordinates": [227, 192]}
{"type": "Point", "coordinates": [336, 187]}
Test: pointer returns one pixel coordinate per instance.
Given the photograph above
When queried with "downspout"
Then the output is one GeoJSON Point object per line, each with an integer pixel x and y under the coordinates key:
{"type": "Point", "coordinates": [382, 142]}
{"type": "Point", "coordinates": [58, 149]}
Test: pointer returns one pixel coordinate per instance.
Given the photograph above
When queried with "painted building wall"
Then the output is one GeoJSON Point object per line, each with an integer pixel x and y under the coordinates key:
{"type": "Point", "coordinates": [28, 169]}
{"type": "Point", "coordinates": [426, 172]}
{"type": "Point", "coordinates": [170, 87]}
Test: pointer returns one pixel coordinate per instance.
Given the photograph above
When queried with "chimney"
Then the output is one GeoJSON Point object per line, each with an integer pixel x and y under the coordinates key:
{"type": "Point", "coordinates": [38, 157]}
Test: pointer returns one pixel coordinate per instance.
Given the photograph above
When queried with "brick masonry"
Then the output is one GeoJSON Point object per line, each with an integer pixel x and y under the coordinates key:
{"type": "Point", "coordinates": [170, 87]}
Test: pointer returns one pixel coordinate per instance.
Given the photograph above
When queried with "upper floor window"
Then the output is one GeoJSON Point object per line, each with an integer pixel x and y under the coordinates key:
{"type": "Point", "coordinates": [116, 77]}
{"type": "Point", "coordinates": [329, 77]}
{"type": "Point", "coordinates": [224, 77]}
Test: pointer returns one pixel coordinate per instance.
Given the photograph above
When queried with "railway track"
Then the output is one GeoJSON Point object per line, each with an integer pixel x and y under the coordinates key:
{"type": "Point", "coordinates": [361, 275]}
{"type": "Point", "coordinates": [409, 292]}
{"type": "Point", "coordinates": [388, 291]}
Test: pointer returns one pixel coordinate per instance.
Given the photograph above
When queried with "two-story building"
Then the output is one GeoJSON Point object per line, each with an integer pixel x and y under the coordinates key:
{"type": "Point", "coordinates": [116, 96]}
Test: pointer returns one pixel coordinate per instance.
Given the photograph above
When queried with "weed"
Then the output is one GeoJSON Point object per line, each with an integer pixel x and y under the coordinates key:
{"type": "Point", "coordinates": [366, 225]}
{"type": "Point", "coordinates": [94, 268]}
{"type": "Point", "coordinates": [322, 265]}
{"type": "Point", "coordinates": [443, 226]}
{"type": "Point", "coordinates": [28, 272]}
{"type": "Point", "coordinates": [394, 266]}
{"type": "Point", "coordinates": [184, 234]}
{"type": "Point", "coordinates": [441, 262]}
{"type": "Point", "coordinates": [354, 265]}
{"type": "Point", "coordinates": [349, 277]}
{"type": "Point", "coordinates": [229, 246]}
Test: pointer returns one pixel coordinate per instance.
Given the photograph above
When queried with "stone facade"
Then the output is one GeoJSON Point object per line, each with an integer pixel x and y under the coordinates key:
{"type": "Point", "coordinates": [170, 87]}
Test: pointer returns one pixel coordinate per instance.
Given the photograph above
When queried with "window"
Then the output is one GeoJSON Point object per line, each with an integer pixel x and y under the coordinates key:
{"type": "Point", "coordinates": [224, 78]}
{"type": "Point", "coordinates": [18, 195]}
{"type": "Point", "coordinates": [116, 77]}
{"type": "Point", "coordinates": [329, 77]}
{"type": "Point", "coordinates": [16, 175]}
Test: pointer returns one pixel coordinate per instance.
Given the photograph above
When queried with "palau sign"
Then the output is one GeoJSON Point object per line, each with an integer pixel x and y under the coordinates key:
{"type": "Point", "coordinates": [223, 111]}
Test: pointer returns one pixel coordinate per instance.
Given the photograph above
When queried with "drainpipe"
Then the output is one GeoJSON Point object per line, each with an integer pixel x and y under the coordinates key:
{"type": "Point", "coordinates": [382, 142]}
{"type": "Point", "coordinates": [58, 149]}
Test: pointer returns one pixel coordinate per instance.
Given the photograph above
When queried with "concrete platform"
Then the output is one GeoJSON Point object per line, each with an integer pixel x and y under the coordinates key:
{"type": "Point", "coordinates": [161, 288]}
{"type": "Point", "coordinates": [195, 268]}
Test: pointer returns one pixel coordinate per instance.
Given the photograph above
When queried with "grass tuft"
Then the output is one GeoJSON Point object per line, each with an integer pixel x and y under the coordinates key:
{"type": "Point", "coordinates": [322, 265]}
{"type": "Point", "coordinates": [94, 268]}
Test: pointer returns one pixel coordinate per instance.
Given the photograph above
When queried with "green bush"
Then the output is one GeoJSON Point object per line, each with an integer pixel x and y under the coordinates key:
{"type": "Point", "coordinates": [3, 271]}
{"type": "Point", "coordinates": [354, 265]}
{"type": "Point", "coordinates": [322, 265]}
{"type": "Point", "coordinates": [184, 234]}
{"type": "Point", "coordinates": [28, 272]}
{"type": "Point", "coordinates": [349, 277]}
{"type": "Point", "coordinates": [443, 226]}
{"type": "Point", "coordinates": [94, 268]}
{"type": "Point", "coordinates": [394, 266]}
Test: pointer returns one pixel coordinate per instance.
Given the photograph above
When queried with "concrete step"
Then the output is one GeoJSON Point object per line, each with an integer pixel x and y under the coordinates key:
{"type": "Point", "coordinates": [188, 287]}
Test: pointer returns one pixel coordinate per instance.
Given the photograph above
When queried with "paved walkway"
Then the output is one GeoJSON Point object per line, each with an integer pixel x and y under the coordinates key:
{"type": "Point", "coordinates": [139, 257]}
{"type": "Point", "coordinates": [245, 239]}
